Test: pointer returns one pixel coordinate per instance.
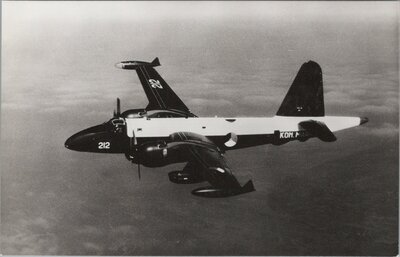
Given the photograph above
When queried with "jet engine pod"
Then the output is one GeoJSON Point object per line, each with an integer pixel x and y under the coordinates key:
{"type": "Point", "coordinates": [181, 177]}
{"type": "Point", "coordinates": [232, 139]}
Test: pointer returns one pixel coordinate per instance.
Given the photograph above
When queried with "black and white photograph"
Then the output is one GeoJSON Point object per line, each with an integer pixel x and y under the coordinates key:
{"type": "Point", "coordinates": [199, 128]}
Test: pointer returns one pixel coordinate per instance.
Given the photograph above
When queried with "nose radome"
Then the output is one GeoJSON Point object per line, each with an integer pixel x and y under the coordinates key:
{"type": "Point", "coordinates": [69, 142]}
{"type": "Point", "coordinates": [76, 141]}
{"type": "Point", "coordinates": [83, 140]}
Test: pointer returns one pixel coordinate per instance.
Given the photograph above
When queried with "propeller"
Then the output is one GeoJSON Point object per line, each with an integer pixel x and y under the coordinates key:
{"type": "Point", "coordinates": [133, 148]}
{"type": "Point", "coordinates": [117, 113]}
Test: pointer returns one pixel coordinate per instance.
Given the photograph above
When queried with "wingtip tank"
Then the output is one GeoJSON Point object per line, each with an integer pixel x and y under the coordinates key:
{"type": "Point", "coordinates": [133, 65]}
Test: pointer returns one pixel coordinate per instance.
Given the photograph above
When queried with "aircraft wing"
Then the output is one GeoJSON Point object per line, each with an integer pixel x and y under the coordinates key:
{"type": "Point", "coordinates": [158, 92]}
{"type": "Point", "coordinates": [214, 167]}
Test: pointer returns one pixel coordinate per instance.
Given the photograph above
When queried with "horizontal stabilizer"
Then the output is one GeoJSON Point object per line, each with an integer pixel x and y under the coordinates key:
{"type": "Point", "coordinates": [133, 65]}
{"type": "Point", "coordinates": [318, 129]}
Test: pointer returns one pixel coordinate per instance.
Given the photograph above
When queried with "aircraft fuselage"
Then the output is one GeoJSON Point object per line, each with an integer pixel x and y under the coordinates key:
{"type": "Point", "coordinates": [227, 133]}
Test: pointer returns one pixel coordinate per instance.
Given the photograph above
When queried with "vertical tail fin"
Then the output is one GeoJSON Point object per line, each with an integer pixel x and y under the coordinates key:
{"type": "Point", "coordinates": [305, 97]}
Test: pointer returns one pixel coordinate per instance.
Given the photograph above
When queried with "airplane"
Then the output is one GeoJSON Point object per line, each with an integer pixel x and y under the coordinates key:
{"type": "Point", "coordinates": [167, 132]}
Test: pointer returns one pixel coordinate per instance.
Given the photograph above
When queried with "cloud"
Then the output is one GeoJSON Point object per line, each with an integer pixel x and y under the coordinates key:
{"type": "Point", "coordinates": [384, 130]}
{"type": "Point", "coordinates": [260, 100]}
{"type": "Point", "coordinates": [90, 246]}
{"type": "Point", "coordinates": [103, 114]}
{"type": "Point", "coordinates": [377, 109]}
{"type": "Point", "coordinates": [124, 229]}
{"type": "Point", "coordinates": [16, 106]}
{"type": "Point", "coordinates": [41, 222]}
{"type": "Point", "coordinates": [89, 230]}
{"type": "Point", "coordinates": [209, 102]}
{"type": "Point", "coordinates": [29, 236]}
{"type": "Point", "coordinates": [340, 98]}
{"type": "Point", "coordinates": [53, 109]}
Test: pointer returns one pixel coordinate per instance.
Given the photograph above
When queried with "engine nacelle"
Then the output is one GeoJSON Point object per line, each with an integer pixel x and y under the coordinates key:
{"type": "Point", "coordinates": [182, 177]}
{"type": "Point", "coordinates": [154, 154]}
{"type": "Point", "coordinates": [158, 154]}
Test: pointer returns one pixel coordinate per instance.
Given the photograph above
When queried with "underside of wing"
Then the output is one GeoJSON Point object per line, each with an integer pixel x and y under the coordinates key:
{"type": "Point", "coordinates": [214, 168]}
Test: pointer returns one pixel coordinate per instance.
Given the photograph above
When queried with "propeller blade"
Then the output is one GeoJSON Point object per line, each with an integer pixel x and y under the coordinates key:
{"type": "Point", "coordinates": [134, 138]}
{"type": "Point", "coordinates": [134, 150]}
{"type": "Point", "coordinates": [118, 107]}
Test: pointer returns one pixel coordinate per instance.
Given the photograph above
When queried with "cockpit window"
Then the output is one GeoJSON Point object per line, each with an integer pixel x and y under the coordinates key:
{"type": "Point", "coordinates": [164, 115]}
{"type": "Point", "coordinates": [117, 125]}
{"type": "Point", "coordinates": [134, 114]}
{"type": "Point", "coordinates": [117, 122]}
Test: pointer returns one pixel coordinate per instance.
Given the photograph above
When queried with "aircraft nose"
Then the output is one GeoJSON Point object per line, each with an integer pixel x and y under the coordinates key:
{"type": "Point", "coordinates": [70, 143]}
{"type": "Point", "coordinates": [84, 139]}
{"type": "Point", "coordinates": [67, 143]}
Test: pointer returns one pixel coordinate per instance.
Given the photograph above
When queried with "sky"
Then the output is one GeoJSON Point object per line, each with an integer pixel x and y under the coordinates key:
{"type": "Point", "coordinates": [221, 58]}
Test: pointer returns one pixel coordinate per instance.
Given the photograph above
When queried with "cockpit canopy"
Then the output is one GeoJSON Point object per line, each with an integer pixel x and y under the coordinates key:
{"type": "Point", "coordinates": [134, 113]}
{"type": "Point", "coordinates": [115, 125]}
{"type": "Point", "coordinates": [140, 113]}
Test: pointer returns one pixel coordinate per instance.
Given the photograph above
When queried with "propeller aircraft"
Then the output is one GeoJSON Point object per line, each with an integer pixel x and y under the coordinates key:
{"type": "Point", "coordinates": [166, 132]}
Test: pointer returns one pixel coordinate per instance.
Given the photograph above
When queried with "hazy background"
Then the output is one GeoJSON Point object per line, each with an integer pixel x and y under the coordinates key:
{"type": "Point", "coordinates": [225, 59]}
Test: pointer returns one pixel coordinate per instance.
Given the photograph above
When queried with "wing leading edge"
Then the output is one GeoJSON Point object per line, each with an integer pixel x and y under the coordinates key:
{"type": "Point", "coordinates": [158, 92]}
